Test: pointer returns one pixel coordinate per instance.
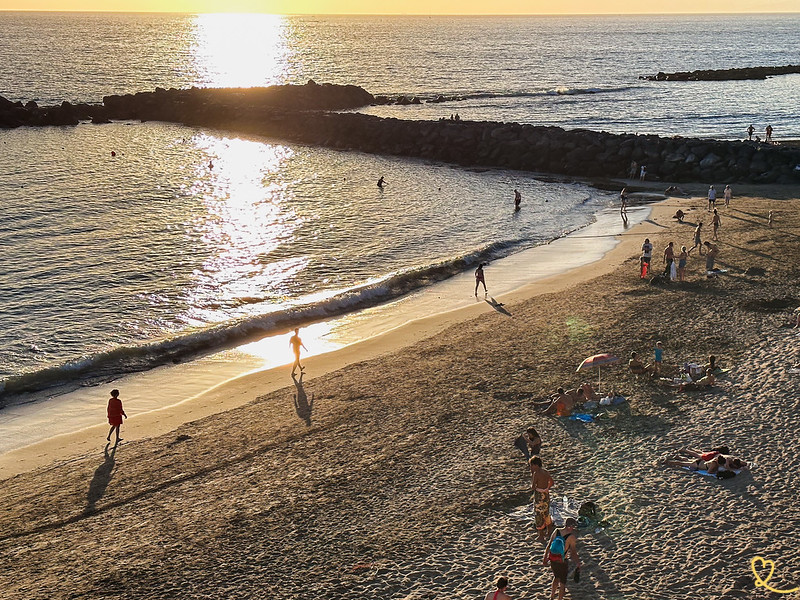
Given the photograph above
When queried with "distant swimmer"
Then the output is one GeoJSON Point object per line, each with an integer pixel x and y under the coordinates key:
{"type": "Point", "coordinates": [517, 199]}
{"type": "Point", "coordinates": [296, 343]}
{"type": "Point", "coordinates": [113, 153]}
{"type": "Point", "coordinates": [115, 414]}
{"type": "Point", "coordinates": [381, 182]}
{"type": "Point", "coordinates": [479, 279]}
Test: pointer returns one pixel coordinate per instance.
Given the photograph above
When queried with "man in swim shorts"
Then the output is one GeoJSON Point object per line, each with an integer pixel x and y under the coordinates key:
{"type": "Point", "coordinates": [559, 564]}
{"type": "Point", "coordinates": [296, 343]}
{"type": "Point", "coordinates": [541, 482]}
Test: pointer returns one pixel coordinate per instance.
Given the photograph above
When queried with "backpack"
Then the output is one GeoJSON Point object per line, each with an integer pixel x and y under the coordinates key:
{"type": "Point", "coordinates": [558, 547]}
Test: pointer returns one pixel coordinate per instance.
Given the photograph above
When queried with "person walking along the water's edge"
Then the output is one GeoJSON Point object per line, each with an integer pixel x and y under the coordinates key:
{"type": "Point", "coordinates": [479, 279]}
{"type": "Point", "coordinates": [296, 343]}
{"type": "Point", "coordinates": [517, 199]}
{"type": "Point", "coordinates": [115, 413]}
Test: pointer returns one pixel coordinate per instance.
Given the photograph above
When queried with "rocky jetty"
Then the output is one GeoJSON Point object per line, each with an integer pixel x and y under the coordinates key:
{"type": "Point", "coordinates": [175, 105]}
{"type": "Point", "coordinates": [723, 74]}
{"type": "Point", "coordinates": [302, 114]}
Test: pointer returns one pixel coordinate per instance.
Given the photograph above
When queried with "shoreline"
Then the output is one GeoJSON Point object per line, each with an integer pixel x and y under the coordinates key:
{"type": "Point", "coordinates": [246, 371]}
{"type": "Point", "coordinates": [406, 483]}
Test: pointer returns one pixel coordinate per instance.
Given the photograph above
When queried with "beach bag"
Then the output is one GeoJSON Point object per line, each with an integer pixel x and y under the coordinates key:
{"type": "Point", "coordinates": [557, 549]}
{"type": "Point", "coordinates": [588, 510]}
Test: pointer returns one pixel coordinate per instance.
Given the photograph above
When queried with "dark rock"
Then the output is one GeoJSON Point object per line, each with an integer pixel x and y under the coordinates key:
{"type": "Point", "coordinates": [723, 74]}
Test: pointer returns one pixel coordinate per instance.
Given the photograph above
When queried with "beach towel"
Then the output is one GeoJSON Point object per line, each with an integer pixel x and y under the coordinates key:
{"type": "Point", "coordinates": [706, 473]}
{"type": "Point", "coordinates": [559, 511]}
{"type": "Point", "coordinates": [582, 417]}
{"type": "Point", "coordinates": [673, 271]}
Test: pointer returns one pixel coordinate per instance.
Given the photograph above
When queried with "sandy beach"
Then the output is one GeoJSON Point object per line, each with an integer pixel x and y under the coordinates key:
{"type": "Point", "coordinates": [402, 484]}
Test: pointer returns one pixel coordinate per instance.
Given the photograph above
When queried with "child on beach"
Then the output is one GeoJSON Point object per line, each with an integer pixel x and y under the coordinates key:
{"type": "Point", "coordinates": [115, 414]}
{"type": "Point", "coordinates": [682, 257]}
{"type": "Point", "coordinates": [658, 351]}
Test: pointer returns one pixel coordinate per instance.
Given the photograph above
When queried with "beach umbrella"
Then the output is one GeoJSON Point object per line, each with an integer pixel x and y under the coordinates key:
{"type": "Point", "coordinates": [597, 360]}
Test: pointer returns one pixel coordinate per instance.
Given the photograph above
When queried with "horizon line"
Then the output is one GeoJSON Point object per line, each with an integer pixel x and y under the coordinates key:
{"type": "Point", "coordinates": [310, 14]}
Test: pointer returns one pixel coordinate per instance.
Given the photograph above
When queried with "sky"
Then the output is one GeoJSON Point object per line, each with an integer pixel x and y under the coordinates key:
{"type": "Point", "coordinates": [423, 7]}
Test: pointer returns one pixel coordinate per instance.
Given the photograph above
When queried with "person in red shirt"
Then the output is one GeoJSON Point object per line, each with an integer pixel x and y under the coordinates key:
{"type": "Point", "coordinates": [115, 414]}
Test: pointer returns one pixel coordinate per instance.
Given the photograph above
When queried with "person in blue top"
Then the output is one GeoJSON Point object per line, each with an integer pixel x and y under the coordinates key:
{"type": "Point", "coordinates": [659, 356]}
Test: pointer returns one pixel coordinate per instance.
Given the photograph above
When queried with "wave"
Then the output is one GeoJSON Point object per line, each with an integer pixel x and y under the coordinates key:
{"type": "Point", "coordinates": [132, 358]}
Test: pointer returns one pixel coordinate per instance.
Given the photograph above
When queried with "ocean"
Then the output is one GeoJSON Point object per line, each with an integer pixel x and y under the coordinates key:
{"type": "Point", "coordinates": [187, 240]}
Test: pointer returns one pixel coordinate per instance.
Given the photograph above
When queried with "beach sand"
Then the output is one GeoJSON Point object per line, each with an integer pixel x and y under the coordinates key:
{"type": "Point", "coordinates": [402, 484]}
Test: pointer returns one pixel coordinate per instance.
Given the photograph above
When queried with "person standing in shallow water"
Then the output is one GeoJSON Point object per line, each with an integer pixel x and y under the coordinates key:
{"type": "Point", "coordinates": [115, 413]}
{"type": "Point", "coordinates": [750, 131]}
{"type": "Point", "coordinates": [296, 343]}
{"type": "Point", "coordinates": [517, 199]}
{"type": "Point", "coordinates": [381, 182]}
{"type": "Point", "coordinates": [479, 279]}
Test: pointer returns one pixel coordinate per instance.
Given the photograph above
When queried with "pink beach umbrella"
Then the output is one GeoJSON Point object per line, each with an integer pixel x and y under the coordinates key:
{"type": "Point", "coordinates": [597, 360]}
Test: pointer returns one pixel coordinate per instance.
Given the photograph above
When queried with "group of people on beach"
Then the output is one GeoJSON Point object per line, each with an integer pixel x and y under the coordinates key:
{"type": "Point", "coordinates": [767, 133]}
{"type": "Point", "coordinates": [675, 263]}
{"type": "Point", "coordinates": [561, 546]}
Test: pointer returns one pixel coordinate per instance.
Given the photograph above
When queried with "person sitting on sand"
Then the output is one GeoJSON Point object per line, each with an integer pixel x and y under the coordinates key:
{"type": "Point", "coordinates": [548, 407]}
{"type": "Point", "coordinates": [711, 364]}
{"type": "Point", "coordinates": [560, 404]}
{"type": "Point", "coordinates": [703, 382]}
{"type": "Point", "coordinates": [541, 482]}
{"type": "Point", "coordinates": [500, 592]}
{"type": "Point", "coordinates": [588, 392]}
{"type": "Point", "coordinates": [637, 366]}
{"type": "Point", "coordinates": [679, 214]}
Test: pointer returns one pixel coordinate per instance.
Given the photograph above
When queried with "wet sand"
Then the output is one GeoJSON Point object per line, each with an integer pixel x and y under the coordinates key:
{"type": "Point", "coordinates": [402, 484]}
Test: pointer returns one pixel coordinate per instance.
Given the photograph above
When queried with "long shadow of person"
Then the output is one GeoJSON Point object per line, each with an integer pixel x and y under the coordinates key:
{"type": "Point", "coordinates": [101, 479]}
{"type": "Point", "coordinates": [302, 405]}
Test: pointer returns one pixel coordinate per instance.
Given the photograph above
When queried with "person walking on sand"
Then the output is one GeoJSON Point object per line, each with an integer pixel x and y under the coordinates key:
{"type": "Point", "coordinates": [697, 242]}
{"type": "Point", "coordinates": [715, 223]}
{"type": "Point", "coordinates": [561, 547]}
{"type": "Point", "coordinates": [633, 170]}
{"type": "Point", "coordinates": [115, 413]}
{"type": "Point", "coordinates": [296, 343]}
{"type": "Point", "coordinates": [517, 199]}
{"type": "Point", "coordinates": [728, 194]}
{"type": "Point", "coordinates": [500, 592]}
{"type": "Point", "coordinates": [750, 131]}
{"type": "Point", "coordinates": [682, 257]}
{"type": "Point", "coordinates": [712, 198]}
{"type": "Point", "coordinates": [479, 279]}
{"type": "Point", "coordinates": [541, 482]}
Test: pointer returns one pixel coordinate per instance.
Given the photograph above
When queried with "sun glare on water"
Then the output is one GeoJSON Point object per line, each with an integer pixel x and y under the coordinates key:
{"type": "Point", "coordinates": [240, 50]}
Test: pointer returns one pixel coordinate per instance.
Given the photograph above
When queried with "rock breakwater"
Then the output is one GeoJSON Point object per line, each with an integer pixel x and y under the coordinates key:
{"type": "Point", "coordinates": [302, 114]}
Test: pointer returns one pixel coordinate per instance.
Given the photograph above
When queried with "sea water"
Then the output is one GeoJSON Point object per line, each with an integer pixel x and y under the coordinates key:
{"type": "Point", "coordinates": [187, 240]}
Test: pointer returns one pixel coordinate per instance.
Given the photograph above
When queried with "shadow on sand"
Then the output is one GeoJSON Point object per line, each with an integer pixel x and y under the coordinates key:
{"type": "Point", "coordinates": [498, 306]}
{"type": "Point", "coordinates": [302, 405]}
{"type": "Point", "coordinates": [101, 479]}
